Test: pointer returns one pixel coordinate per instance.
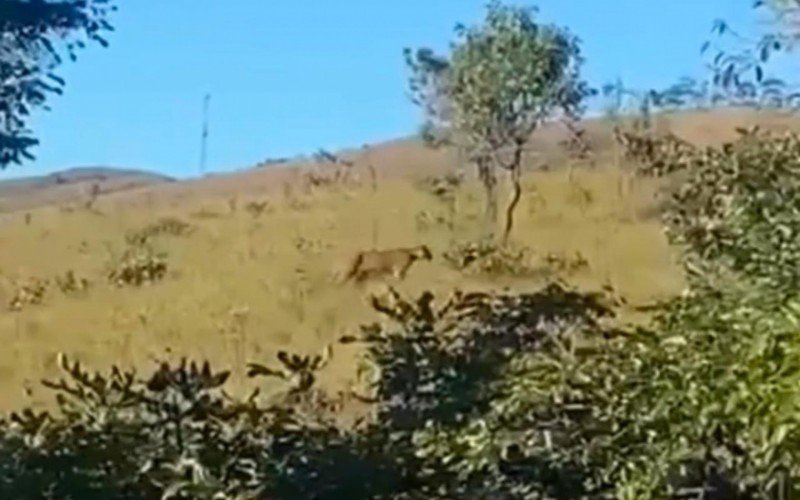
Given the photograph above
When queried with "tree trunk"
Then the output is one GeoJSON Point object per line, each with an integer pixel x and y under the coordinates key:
{"type": "Point", "coordinates": [515, 170]}
{"type": "Point", "coordinates": [489, 180]}
{"type": "Point", "coordinates": [512, 205]}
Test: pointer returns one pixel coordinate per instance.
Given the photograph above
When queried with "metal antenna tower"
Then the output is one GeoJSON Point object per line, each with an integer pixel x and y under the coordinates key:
{"type": "Point", "coordinates": [204, 138]}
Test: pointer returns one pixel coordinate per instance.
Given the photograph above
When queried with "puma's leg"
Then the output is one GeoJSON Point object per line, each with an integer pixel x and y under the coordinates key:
{"type": "Point", "coordinates": [400, 272]}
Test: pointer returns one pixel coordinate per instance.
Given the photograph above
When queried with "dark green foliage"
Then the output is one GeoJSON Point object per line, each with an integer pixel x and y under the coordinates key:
{"type": "Point", "coordinates": [737, 209]}
{"type": "Point", "coordinates": [723, 373]}
{"type": "Point", "coordinates": [32, 31]}
{"type": "Point", "coordinates": [173, 435]}
{"type": "Point", "coordinates": [442, 374]}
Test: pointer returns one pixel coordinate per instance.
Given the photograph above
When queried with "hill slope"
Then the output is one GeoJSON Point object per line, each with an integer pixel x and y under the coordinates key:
{"type": "Point", "coordinates": [406, 158]}
{"type": "Point", "coordinates": [394, 159]}
{"type": "Point", "coordinates": [71, 185]}
{"type": "Point", "coordinates": [247, 282]}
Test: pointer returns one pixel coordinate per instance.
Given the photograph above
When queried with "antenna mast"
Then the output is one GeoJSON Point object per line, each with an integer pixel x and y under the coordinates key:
{"type": "Point", "coordinates": [204, 138]}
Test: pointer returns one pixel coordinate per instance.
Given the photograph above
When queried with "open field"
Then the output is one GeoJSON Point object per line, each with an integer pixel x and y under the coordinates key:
{"type": "Point", "coordinates": [241, 286]}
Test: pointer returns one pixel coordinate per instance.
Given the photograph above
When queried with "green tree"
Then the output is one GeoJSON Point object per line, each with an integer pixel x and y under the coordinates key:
{"type": "Point", "coordinates": [35, 33]}
{"type": "Point", "coordinates": [500, 82]}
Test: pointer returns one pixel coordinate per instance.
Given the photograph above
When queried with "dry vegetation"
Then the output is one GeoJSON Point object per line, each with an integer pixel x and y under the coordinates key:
{"type": "Point", "coordinates": [276, 259]}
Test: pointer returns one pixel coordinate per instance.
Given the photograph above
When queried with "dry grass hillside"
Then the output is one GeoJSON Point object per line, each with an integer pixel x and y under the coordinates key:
{"type": "Point", "coordinates": [252, 270]}
{"type": "Point", "coordinates": [72, 186]}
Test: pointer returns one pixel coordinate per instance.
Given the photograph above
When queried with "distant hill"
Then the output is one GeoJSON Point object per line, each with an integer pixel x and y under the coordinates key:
{"type": "Point", "coordinates": [72, 184]}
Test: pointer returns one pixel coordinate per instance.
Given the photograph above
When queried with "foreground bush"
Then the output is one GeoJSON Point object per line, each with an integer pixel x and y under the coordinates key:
{"type": "Point", "coordinates": [507, 396]}
{"type": "Point", "coordinates": [176, 434]}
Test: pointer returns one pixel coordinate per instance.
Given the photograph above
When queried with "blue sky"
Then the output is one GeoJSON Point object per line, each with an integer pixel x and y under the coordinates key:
{"type": "Point", "coordinates": [287, 78]}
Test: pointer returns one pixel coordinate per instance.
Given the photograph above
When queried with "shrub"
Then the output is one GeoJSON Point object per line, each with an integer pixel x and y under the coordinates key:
{"type": "Point", "coordinates": [176, 434]}
{"type": "Point", "coordinates": [442, 187]}
{"type": "Point", "coordinates": [717, 377]}
{"type": "Point", "coordinates": [70, 284]}
{"type": "Point", "coordinates": [169, 226]}
{"type": "Point", "coordinates": [31, 291]}
{"type": "Point", "coordinates": [205, 213]}
{"type": "Point", "coordinates": [310, 246]}
{"type": "Point", "coordinates": [442, 371]}
{"type": "Point", "coordinates": [331, 171]}
{"type": "Point", "coordinates": [488, 258]}
{"type": "Point", "coordinates": [139, 265]}
{"type": "Point", "coordinates": [737, 209]}
{"type": "Point", "coordinates": [170, 436]}
{"type": "Point", "coordinates": [564, 264]}
{"type": "Point", "coordinates": [426, 220]}
{"type": "Point", "coordinates": [300, 373]}
{"type": "Point", "coordinates": [656, 155]}
{"type": "Point", "coordinates": [256, 208]}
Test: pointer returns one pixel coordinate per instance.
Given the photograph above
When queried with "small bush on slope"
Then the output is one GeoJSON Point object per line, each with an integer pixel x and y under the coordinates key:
{"type": "Point", "coordinates": [31, 291]}
{"type": "Point", "coordinates": [139, 265]}
{"type": "Point", "coordinates": [170, 226]}
{"type": "Point", "coordinates": [486, 257]}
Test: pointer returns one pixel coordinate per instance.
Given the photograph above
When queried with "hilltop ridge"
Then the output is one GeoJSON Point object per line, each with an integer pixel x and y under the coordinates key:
{"type": "Point", "coordinates": [393, 158]}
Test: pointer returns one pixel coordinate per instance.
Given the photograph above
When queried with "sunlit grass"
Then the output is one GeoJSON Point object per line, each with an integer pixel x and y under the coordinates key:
{"type": "Point", "coordinates": [242, 286]}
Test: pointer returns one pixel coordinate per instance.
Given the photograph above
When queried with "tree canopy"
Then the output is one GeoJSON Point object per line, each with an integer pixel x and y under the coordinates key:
{"type": "Point", "coordinates": [502, 79]}
{"type": "Point", "coordinates": [35, 35]}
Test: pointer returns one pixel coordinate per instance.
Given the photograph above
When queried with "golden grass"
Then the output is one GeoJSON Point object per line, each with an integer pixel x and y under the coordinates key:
{"type": "Point", "coordinates": [241, 287]}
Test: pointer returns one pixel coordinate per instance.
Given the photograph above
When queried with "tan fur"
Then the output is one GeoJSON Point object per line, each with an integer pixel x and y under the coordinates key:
{"type": "Point", "coordinates": [374, 263]}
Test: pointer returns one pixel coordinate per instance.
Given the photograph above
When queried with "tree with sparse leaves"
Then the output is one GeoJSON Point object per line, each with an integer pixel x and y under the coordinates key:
{"type": "Point", "coordinates": [742, 72]}
{"type": "Point", "coordinates": [34, 35]}
{"type": "Point", "coordinates": [500, 82]}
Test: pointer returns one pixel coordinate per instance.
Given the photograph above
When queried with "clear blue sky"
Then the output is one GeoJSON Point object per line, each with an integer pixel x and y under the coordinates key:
{"type": "Point", "coordinates": [289, 77]}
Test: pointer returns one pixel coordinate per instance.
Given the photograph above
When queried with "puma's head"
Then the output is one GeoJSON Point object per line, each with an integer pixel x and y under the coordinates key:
{"type": "Point", "coordinates": [423, 252]}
